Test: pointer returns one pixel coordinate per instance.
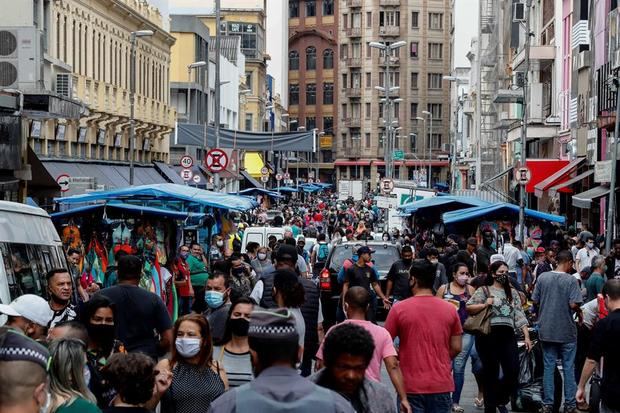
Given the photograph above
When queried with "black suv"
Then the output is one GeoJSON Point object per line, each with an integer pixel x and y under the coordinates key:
{"type": "Point", "coordinates": [386, 253]}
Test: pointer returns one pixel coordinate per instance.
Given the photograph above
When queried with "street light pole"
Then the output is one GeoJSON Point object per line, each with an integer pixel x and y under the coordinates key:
{"type": "Point", "coordinates": [133, 39]}
{"type": "Point", "coordinates": [430, 139]}
{"type": "Point", "coordinates": [218, 17]}
{"type": "Point", "coordinates": [424, 147]}
{"type": "Point", "coordinates": [522, 193]}
{"type": "Point", "coordinates": [189, 81]}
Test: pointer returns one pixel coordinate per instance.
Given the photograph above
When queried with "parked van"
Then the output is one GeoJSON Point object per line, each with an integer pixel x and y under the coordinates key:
{"type": "Point", "coordinates": [29, 247]}
{"type": "Point", "coordinates": [260, 235]}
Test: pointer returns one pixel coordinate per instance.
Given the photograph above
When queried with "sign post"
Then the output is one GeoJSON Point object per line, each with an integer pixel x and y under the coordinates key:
{"type": "Point", "coordinates": [63, 182]}
{"type": "Point", "coordinates": [187, 162]}
{"type": "Point", "coordinates": [216, 161]}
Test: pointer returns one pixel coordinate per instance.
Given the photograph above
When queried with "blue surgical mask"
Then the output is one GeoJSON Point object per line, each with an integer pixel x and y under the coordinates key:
{"type": "Point", "coordinates": [214, 299]}
{"type": "Point", "coordinates": [184, 255]}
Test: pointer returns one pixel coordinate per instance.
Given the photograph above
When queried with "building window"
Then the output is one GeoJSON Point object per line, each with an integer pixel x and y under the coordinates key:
{"type": "Point", "coordinates": [435, 109]}
{"type": "Point", "coordinates": [345, 83]}
{"type": "Point", "coordinates": [368, 80]}
{"type": "Point", "coordinates": [311, 94]}
{"type": "Point", "coordinates": [367, 140]}
{"type": "Point", "coordinates": [310, 8]}
{"type": "Point", "coordinates": [435, 21]}
{"type": "Point", "coordinates": [435, 80]}
{"type": "Point", "coordinates": [414, 20]}
{"type": "Point", "coordinates": [435, 51]}
{"type": "Point", "coordinates": [413, 113]}
{"type": "Point", "coordinates": [389, 18]}
{"type": "Point", "coordinates": [293, 60]}
{"type": "Point", "coordinates": [311, 58]}
{"type": "Point", "coordinates": [293, 94]}
{"type": "Point", "coordinates": [356, 20]}
{"type": "Point", "coordinates": [414, 80]}
{"type": "Point", "coordinates": [248, 80]}
{"type": "Point", "coordinates": [436, 140]}
{"type": "Point", "coordinates": [368, 110]}
{"type": "Point", "coordinates": [328, 93]}
{"type": "Point", "coordinates": [293, 8]}
{"type": "Point", "coordinates": [344, 51]}
{"type": "Point", "coordinates": [248, 121]}
{"type": "Point", "coordinates": [413, 50]}
{"type": "Point", "coordinates": [343, 139]}
{"type": "Point", "coordinates": [368, 50]}
{"type": "Point", "coordinates": [328, 59]}
{"type": "Point", "coordinates": [310, 123]}
{"type": "Point", "coordinates": [292, 124]}
{"type": "Point", "coordinates": [369, 19]}
{"type": "Point", "coordinates": [328, 125]}
{"type": "Point", "coordinates": [328, 7]}
{"type": "Point", "coordinates": [412, 142]}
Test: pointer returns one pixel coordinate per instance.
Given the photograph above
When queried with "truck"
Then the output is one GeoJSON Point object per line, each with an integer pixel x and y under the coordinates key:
{"type": "Point", "coordinates": [351, 188]}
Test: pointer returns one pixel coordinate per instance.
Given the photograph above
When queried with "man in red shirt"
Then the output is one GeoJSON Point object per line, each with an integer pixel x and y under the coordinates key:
{"type": "Point", "coordinates": [430, 337]}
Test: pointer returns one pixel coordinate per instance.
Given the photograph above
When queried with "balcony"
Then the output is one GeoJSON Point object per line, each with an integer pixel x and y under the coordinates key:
{"type": "Point", "coordinates": [394, 61]}
{"type": "Point", "coordinates": [389, 2]}
{"type": "Point", "coordinates": [355, 3]}
{"type": "Point", "coordinates": [354, 62]}
{"type": "Point", "coordinates": [354, 31]}
{"type": "Point", "coordinates": [352, 122]}
{"type": "Point", "coordinates": [389, 31]}
{"type": "Point", "coordinates": [539, 55]}
{"type": "Point", "coordinates": [353, 92]}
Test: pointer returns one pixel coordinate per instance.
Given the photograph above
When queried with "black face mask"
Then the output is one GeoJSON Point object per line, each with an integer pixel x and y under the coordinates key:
{"type": "Point", "coordinates": [102, 334]}
{"type": "Point", "coordinates": [239, 326]}
{"type": "Point", "coordinates": [407, 262]}
{"type": "Point", "coordinates": [238, 272]}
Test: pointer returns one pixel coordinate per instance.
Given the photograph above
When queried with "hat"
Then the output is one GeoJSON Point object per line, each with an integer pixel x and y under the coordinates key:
{"type": "Point", "coordinates": [286, 252]}
{"type": "Point", "coordinates": [540, 250]}
{"type": "Point", "coordinates": [301, 238]}
{"type": "Point", "coordinates": [31, 307]}
{"type": "Point", "coordinates": [365, 249]}
{"type": "Point", "coordinates": [15, 346]}
{"type": "Point", "coordinates": [273, 324]}
{"type": "Point", "coordinates": [472, 241]}
{"type": "Point", "coordinates": [497, 257]}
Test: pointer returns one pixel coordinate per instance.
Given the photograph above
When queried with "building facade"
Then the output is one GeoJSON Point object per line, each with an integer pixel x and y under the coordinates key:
{"type": "Point", "coordinates": [416, 76]}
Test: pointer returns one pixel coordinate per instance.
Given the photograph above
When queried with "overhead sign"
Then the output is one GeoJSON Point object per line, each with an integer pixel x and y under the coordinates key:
{"type": "Point", "coordinates": [287, 176]}
{"type": "Point", "coordinates": [63, 182]}
{"type": "Point", "coordinates": [264, 178]}
{"type": "Point", "coordinates": [386, 202]}
{"type": "Point", "coordinates": [279, 177]}
{"type": "Point", "coordinates": [398, 155]}
{"type": "Point", "coordinates": [523, 175]}
{"type": "Point", "coordinates": [196, 179]}
{"type": "Point", "coordinates": [187, 174]}
{"type": "Point", "coordinates": [187, 161]}
{"type": "Point", "coordinates": [216, 160]}
{"type": "Point", "coordinates": [264, 170]}
{"type": "Point", "coordinates": [387, 185]}
{"type": "Point", "coordinates": [602, 171]}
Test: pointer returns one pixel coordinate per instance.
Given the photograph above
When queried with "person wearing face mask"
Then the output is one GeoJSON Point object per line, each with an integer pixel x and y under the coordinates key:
{"type": "Point", "coordinates": [398, 276]}
{"type": "Point", "coordinates": [29, 314]}
{"type": "Point", "coordinates": [217, 297]}
{"type": "Point", "coordinates": [234, 354]}
{"type": "Point", "coordinates": [197, 379]}
{"type": "Point", "coordinates": [458, 292]}
{"type": "Point", "coordinates": [69, 376]}
{"type": "Point", "coordinates": [182, 280]}
{"type": "Point", "coordinates": [216, 251]}
{"type": "Point", "coordinates": [441, 277]}
{"type": "Point", "coordinates": [261, 264]}
{"type": "Point", "coordinates": [242, 281]}
{"type": "Point", "coordinates": [199, 274]}
{"type": "Point", "coordinates": [584, 256]}
{"type": "Point", "coordinates": [60, 288]}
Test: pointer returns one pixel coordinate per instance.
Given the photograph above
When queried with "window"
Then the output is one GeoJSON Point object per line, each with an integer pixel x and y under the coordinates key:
{"type": "Point", "coordinates": [368, 110]}
{"type": "Point", "coordinates": [368, 19]}
{"type": "Point", "coordinates": [310, 123]}
{"type": "Point", "coordinates": [435, 80]}
{"type": "Point", "coordinates": [344, 110]}
{"type": "Point", "coordinates": [293, 94]}
{"type": "Point", "coordinates": [389, 18]}
{"type": "Point", "coordinates": [368, 80]}
{"type": "Point", "coordinates": [435, 109]}
{"type": "Point", "coordinates": [328, 59]}
{"type": "Point", "coordinates": [328, 93]}
{"type": "Point", "coordinates": [396, 109]}
{"type": "Point", "coordinates": [344, 51]}
{"type": "Point", "coordinates": [368, 140]}
{"type": "Point", "coordinates": [414, 80]}
{"type": "Point", "coordinates": [343, 140]}
{"type": "Point", "coordinates": [356, 20]}
{"type": "Point", "coordinates": [328, 125]}
{"type": "Point", "coordinates": [310, 8]}
{"type": "Point", "coordinates": [248, 80]}
{"type": "Point", "coordinates": [414, 20]}
{"type": "Point", "coordinates": [435, 21]}
{"type": "Point", "coordinates": [345, 21]}
{"type": "Point", "coordinates": [436, 140]}
{"type": "Point", "coordinates": [293, 8]}
{"type": "Point", "coordinates": [413, 113]}
{"type": "Point", "coordinates": [394, 79]}
{"type": "Point", "coordinates": [356, 50]}
{"type": "Point", "coordinates": [328, 7]}
{"type": "Point", "coordinates": [293, 60]}
{"type": "Point", "coordinates": [435, 51]}
{"type": "Point", "coordinates": [413, 50]}
{"type": "Point", "coordinates": [311, 94]}
{"type": "Point", "coordinates": [311, 58]}
{"type": "Point", "coordinates": [345, 83]}
{"type": "Point", "coordinates": [368, 50]}
{"type": "Point", "coordinates": [413, 141]}
{"type": "Point", "coordinates": [249, 121]}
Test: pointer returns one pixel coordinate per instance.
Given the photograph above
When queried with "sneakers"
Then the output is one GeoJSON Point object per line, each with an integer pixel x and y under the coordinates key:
{"type": "Point", "coordinates": [545, 409]}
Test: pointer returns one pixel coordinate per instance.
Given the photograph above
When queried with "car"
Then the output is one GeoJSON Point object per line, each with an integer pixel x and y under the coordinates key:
{"type": "Point", "coordinates": [386, 253]}
{"type": "Point", "coordinates": [260, 235]}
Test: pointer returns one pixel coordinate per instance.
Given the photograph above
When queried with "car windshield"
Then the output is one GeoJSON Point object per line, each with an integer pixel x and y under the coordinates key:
{"type": "Point", "coordinates": [383, 258]}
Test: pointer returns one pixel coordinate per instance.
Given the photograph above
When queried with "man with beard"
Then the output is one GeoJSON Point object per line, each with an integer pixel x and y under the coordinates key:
{"type": "Point", "coordinates": [60, 289]}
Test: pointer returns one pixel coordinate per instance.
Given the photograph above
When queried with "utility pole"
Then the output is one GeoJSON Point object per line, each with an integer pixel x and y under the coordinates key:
{"type": "Point", "coordinates": [524, 120]}
{"type": "Point", "coordinates": [218, 17]}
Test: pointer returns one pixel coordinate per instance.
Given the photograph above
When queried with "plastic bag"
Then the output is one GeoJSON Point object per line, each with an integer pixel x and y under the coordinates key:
{"type": "Point", "coordinates": [526, 367]}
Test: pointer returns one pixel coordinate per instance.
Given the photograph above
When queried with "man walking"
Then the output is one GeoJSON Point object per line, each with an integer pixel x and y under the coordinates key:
{"type": "Point", "coordinates": [430, 337]}
{"type": "Point", "coordinates": [595, 282]}
{"type": "Point", "coordinates": [558, 296]}
{"type": "Point", "coordinates": [398, 276]}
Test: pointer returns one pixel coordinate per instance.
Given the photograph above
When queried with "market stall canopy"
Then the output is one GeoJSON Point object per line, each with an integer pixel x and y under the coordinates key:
{"type": "Point", "coordinates": [443, 203]}
{"type": "Point", "coordinates": [584, 199]}
{"type": "Point", "coordinates": [167, 192]}
{"type": "Point", "coordinates": [119, 206]}
{"type": "Point", "coordinates": [260, 191]}
{"type": "Point", "coordinates": [285, 189]}
{"type": "Point", "coordinates": [497, 210]}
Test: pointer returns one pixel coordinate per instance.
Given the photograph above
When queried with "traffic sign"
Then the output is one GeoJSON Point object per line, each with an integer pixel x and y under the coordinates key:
{"type": "Point", "coordinates": [187, 161]}
{"type": "Point", "coordinates": [287, 176]}
{"type": "Point", "coordinates": [278, 177]}
{"type": "Point", "coordinates": [398, 155]}
{"type": "Point", "coordinates": [264, 170]}
{"type": "Point", "coordinates": [63, 182]}
{"type": "Point", "coordinates": [310, 181]}
{"type": "Point", "coordinates": [196, 179]}
{"type": "Point", "coordinates": [387, 185]}
{"type": "Point", "coordinates": [264, 178]}
{"type": "Point", "coordinates": [186, 174]}
{"type": "Point", "coordinates": [523, 176]}
{"type": "Point", "coordinates": [216, 160]}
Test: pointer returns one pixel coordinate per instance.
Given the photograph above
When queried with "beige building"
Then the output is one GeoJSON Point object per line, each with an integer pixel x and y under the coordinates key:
{"type": "Point", "coordinates": [417, 69]}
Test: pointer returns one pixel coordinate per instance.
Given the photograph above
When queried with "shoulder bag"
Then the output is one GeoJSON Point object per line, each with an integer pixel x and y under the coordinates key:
{"type": "Point", "coordinates": [480, 323]}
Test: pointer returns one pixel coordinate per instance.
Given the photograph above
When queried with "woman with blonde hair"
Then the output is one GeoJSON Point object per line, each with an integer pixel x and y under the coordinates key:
{"type": "Point", "coordinates": [69, 378]}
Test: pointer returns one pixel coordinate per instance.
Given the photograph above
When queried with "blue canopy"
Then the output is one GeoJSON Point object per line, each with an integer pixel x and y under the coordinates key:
{"type": "Point", "coordinates": [503, 208]}
{"type": "Point", "coordinates": [167, 192]}
{"type": "Point", "coordinates": [260, 191]}
{"type": "Point", "coordinates": [443, 204]}
{"type": "Point", "coordinates": [142, 210]}
{"type": "Point", "coordinates": [285, 189]}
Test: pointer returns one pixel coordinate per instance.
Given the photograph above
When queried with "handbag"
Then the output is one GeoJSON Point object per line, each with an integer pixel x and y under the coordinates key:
{"type": "Point", "coordinates": [480, 323]}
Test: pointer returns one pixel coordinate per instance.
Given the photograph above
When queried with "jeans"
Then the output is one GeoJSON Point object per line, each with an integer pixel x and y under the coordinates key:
{"type": "Point", "coordinates": [551, 353]}
{"type": "Point", "coordinates": [430, 403]}
{"type": "Point", "coordinates": [185, 305]}
{"type": "Point", "coordinates": [458, 367]}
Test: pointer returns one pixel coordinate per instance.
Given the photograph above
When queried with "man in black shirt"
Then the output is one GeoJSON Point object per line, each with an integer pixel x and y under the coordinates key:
{"type": "Point", "coordinates": [143, 323]}
{"type": "Point", "coordinates": [398, 276]}
{"type": "Point", "coordinates": [604, 347]}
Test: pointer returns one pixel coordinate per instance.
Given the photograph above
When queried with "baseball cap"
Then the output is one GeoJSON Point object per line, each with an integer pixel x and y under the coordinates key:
{"type": "Point", "coordinates": [301, 238]}
{"type": "Point", "coordinates": [497, 257]}
{"type": "Point", "coordinates": [31, 307]}
{"type": "Point", "coordinates": [540, 250]}
{"type": "Point", "coordinates": [286, 252]}
{"type": "Point", "coordinates": [364, 249]}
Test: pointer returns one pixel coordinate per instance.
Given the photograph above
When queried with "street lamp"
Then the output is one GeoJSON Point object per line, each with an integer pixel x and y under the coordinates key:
{"type": "Point", "coordinates": [191, 66]}
{"type": "Point", "coordinates": [423, 140]}
{"type": "Point", "coordinates": [133, 39]}
{"type": "Point", "coordinates": [430, 141]}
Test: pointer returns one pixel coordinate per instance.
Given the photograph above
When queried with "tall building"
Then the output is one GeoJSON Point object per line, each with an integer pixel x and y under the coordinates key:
{"type": "Point", "coordinates": [416, 70]}
{"type": "Point", "coordinates": [313, 79]}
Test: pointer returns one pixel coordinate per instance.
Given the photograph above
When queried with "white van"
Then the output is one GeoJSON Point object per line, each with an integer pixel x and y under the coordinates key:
{"type": "Point", "coordinates": [260, 235]}
{"type": "Point", "coordinates": [29, 248]}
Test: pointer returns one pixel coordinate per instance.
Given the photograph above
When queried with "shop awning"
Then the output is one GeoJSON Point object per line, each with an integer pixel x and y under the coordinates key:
{"type": "Point", "coordinates": [503, 210]}
{"type": "Point", "coordinates": [584, 199]}
{"type": "Point", "coordinates": [421, 163]}
{"type": "Point", "coordinates": [557, 177]}
{"type": "Point", "coordinates": [554, 189]}
{"type": "Point", "coordinates": [260, 191]}
{"type": "Point", "coordinates": [345, 162]}
{"type": "Point", "coordinates": [251, 179]}
{"type": "Point", "coordinates": [253, 163]}
{"type": "Point", "coordinates": [139, 210]}
{"type": "Point", "coordinates": [443, 204]}
{"type": "Point", "coordinates": [169, 173]}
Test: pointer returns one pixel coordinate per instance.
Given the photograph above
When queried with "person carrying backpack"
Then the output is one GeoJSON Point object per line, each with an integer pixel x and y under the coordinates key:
{"type": "Point", "coordinates": [320, 251]}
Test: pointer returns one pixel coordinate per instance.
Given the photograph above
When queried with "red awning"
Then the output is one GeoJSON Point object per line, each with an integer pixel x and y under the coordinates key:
{"type": "Point", "coordinates": [346, 162]}
{"type": "Point", "coordinates": [562, 175]}
{"type": "Point", "coordinates": [542, 169]}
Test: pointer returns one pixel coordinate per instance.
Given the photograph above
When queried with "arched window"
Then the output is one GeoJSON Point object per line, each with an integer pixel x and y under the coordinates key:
{"type": "Point", "coordinates": [328, 59]}
{"type": "Point", "coordinates": [311, 58]}
{"type": "Point", "coordinates": [293, 60]}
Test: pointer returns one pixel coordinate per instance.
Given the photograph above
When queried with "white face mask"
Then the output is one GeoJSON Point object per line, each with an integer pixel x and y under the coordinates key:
{"type": "Point", "coordinates": [435, 261]}
{"type": "Point", "coordinates": [48, 402]}
{"type": "Point", "coordinates": [87, 375]}
{"type": "Point", "coordinates": [220, 243]}
{"type": "Point", "coordinates": [262, 256]}
{"type": "Point", "coordinates": [187, 347]}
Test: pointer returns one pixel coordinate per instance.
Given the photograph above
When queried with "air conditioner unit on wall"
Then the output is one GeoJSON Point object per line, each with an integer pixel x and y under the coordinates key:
{"type": "Point", "coordinates": [20, 58]}
{"type": "Point", "coordinates": [64, 86]}
{"type": "Point", "coordinates": [518, 79]}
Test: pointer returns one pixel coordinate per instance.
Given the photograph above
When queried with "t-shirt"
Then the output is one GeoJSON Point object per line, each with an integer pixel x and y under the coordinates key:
{"type": "Point", "coordinates": [198, 271]}
{"type": "Point", "coordinates": [79, 405]}
{"type": "Point", "coordinates": [605, 339]}
{"type": "Point", "coordinates": [399, 275]}
{"type": "Point", "coordinates": [554, 293]}
{"type": "Point", "coordinates": [361, 276]}
{"type": "Point", "coordinates": [594, 285]}
{"type": "Point", "coordinates": [584, 256]}
{"type": "Point", "coordinates": [140, 316]}
{"type": "Point", "coordinates": [238, 366]}
{"type": "Point", "coordinates": [66, 314]}
{"type": "Point", "coordinates": [384, 347]}
{"type": "Point", "coordinates": [425, 325]}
